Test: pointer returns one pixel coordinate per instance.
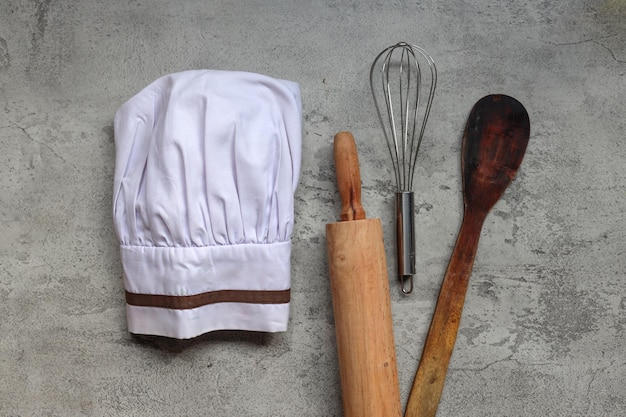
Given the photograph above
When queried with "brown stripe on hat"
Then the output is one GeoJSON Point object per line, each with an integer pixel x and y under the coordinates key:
{"type": "Point", "coordinates": [185, 302]}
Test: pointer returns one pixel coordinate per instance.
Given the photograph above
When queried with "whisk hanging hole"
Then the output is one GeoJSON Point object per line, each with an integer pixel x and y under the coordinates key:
{"type": "Point", "coordinates": [404, 279]}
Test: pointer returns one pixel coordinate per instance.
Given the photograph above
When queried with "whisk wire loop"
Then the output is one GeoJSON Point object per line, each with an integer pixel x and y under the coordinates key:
{"type": "Point", "coordinates": [404, 112]}
{"type": "Point", "coordinates": [392, 143]}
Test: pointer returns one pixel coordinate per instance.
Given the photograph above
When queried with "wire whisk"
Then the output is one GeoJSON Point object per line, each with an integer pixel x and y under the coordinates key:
{"type": "Point", "coordinates": [403, 79]}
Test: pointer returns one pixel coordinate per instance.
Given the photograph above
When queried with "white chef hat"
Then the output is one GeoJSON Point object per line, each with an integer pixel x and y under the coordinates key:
{"type": "Point", "coordinates": [207, 163]}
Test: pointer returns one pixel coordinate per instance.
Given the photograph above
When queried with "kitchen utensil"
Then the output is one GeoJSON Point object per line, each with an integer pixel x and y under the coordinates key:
{"type": "Point", "coordinates": [399, 85]}
{"type": "Point", "coordinates": [494, 142]}
{"type": "Point", "coordinates": [360, 294]}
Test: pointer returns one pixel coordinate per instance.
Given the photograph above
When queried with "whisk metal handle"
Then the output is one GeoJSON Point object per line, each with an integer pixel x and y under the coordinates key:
{"type": "Point", "coordinates": [405, 234]}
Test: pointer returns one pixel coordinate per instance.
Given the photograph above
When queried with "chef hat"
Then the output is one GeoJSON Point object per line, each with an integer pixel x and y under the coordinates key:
{"type": "Point", "coordinates": [207, 163]}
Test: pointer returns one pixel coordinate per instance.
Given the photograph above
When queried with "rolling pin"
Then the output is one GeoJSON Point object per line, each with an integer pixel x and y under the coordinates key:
{"type": "Point", "coordinates": [360, 295]}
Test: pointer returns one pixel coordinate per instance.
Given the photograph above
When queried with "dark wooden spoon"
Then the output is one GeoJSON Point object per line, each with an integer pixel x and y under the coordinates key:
{"type": "Point", "coordinates": [494, 142]}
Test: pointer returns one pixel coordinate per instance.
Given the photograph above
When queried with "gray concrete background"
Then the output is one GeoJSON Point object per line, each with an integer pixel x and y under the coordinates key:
{"type": "Point", "coordinates": [543, 331]}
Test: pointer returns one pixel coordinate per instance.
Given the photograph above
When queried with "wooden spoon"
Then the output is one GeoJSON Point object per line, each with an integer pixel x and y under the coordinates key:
{"type": "Point", "coordinates": [494, 142]}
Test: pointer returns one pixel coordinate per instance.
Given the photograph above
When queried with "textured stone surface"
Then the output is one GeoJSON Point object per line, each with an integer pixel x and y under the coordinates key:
{"type": "Point", "coordinates": [543, 331]}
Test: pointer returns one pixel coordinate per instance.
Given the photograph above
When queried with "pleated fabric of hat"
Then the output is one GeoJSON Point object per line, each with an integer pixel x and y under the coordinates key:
{"type": "Point", "coordinates": [207, 163]}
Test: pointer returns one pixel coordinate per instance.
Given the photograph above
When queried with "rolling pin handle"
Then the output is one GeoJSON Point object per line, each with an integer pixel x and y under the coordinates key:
{"type": "Point", "coordinates": [348, 177]}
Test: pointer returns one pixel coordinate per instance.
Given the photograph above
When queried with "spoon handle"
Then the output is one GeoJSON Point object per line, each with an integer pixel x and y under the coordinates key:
{"type": "Point", "coordinates": [431, 373]}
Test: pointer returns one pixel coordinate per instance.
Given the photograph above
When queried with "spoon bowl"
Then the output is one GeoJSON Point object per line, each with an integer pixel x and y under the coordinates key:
{"type": "Point", "coordinates": [494, 143]}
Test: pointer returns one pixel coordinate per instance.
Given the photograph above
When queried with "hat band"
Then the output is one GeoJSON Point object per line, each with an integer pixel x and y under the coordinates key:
{"type": "Point", "coordinates": [212, 297]}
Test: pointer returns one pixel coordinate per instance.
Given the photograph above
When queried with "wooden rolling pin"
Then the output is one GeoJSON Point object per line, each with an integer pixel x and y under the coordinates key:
{"type": "Point", "coordinates": [360, 293]}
